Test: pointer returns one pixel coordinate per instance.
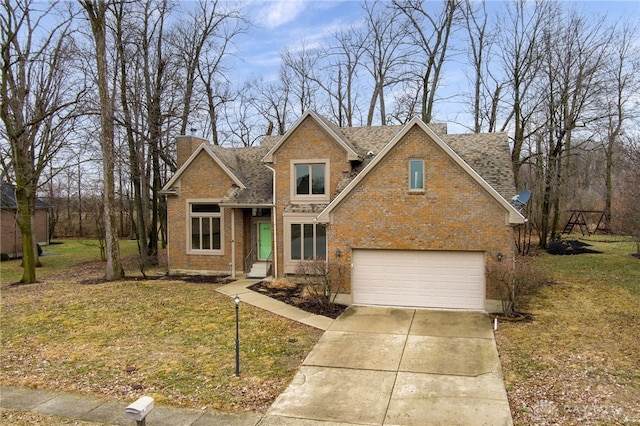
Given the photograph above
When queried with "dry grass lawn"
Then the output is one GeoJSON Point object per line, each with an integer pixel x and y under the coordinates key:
{"type": "Point", "coordinates": [169, 339]}
{"type": "Point", "coordinates": [578, 362]}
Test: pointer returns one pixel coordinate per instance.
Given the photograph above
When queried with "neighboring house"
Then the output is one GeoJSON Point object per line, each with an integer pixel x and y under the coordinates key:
{"type": "Point", "coordinates": [10, 235]}
{"type": "Point", "coordinates": [415, 214]}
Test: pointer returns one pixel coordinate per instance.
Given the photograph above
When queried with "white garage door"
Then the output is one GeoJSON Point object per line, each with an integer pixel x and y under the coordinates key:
{"type": "Point", "coordinates": [430, 279]}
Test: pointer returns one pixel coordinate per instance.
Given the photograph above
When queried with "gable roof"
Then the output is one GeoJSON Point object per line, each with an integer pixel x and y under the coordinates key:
{"type": "Point", "coordinates": [334, 132]}
{"type": "Point", "coordinates": [252, 179]}
{"type": "Point", "coordinates": [514, 215]}
{"type": "Point", "coordinates": [208, 149]}
{"type": "Point", "coordinates": [258, 179]}
{"type": "Point", "coordinates": [484, 156]}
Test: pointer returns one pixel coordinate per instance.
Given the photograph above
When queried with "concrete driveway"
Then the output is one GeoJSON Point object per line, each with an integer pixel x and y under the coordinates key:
{"type": "Point", "coordinates": [393, 366]}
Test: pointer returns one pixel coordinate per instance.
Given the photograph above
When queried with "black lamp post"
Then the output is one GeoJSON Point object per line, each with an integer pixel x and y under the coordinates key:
{"type": "Point", "coordinates": [237, 300]}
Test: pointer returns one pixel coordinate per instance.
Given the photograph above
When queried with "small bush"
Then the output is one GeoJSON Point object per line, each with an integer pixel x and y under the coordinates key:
{"type": "Point", "coordinates": [281, 284]}
{"type": "Point", "coordinates": [517, 288]}
{"type": "Point", "coordinates": [322, 280]}
{"type": "Point", "coordinates": [529, 278]}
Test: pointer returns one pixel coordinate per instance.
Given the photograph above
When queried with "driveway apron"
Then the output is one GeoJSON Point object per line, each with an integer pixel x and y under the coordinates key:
{"type": "Point", "coordinates": [396, 366]}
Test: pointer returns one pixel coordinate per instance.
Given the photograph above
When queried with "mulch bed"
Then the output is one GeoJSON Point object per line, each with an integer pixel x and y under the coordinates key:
{"type": "Point", "coordinates": [569, 247]}
{"type": "Point", "coordinates": [196, 279]}
{"type": "Point", "coordinates": [293, 297]}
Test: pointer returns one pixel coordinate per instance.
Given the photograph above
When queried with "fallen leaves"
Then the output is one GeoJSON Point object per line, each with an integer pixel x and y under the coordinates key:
{"type": "Point", "coordinates": [167, 338]}
{"type": "Point", "coordinates": [578, 362]}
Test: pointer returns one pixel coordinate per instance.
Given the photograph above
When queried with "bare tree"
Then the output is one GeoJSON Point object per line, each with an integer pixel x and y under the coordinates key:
{"type": "Point", "coordinates": [37, 105]}
{"type": "Point", "coordinates": [272, 101]}
{"type": "Point", "coordinates": [345, 59]}
{"type": "Point", "coordinates": [521, 61]}
{"type": "Point", "coordinates": [96, 11]}
{"type": "Point", "coordinates": [623, 76]}
{"type": "Point", "coordinates": [628, 201]}
{"type": "Point", "coordinates": [480, 42]}
{"type": "Point", "coordinates": [299, 68]}
{"type": "Point", "coordinates": [203, 41]}
{"type": "Point", "coordinates": [385, 53]}
{"type": "Point", "coordinates": [572, 67]}
{"type": "Point", "coordinates": [431, 34]}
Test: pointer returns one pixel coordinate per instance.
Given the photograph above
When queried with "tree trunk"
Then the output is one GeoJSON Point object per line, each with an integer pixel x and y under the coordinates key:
{"type": "Point", "coordinates": [24, 223]}
{"type": "Point", "coordinates": [96, 11]}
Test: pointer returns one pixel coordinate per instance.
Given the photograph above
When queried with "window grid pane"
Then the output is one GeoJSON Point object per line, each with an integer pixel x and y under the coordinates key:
{"type": "Point", "coordinates": [321, 242]}
{"type": "Point", "coordinates": [317, 175]}
{"type": "Point", "coordinates": [296, 242]}
{"type": "Point", "coordinates": [416, 174]}
{"type": "Point", "coordinates": [206, 227]}
{"type": "Point", "coordinates": [308, 241]}
{"type": "Point", "coordinates": [206, 233]}
{"type": "Point", "coordinates": [195, 233]}
{"type": "Point", "coordinates": [302, 179]}
{"type": "Point", "coordinates": [216, 234]}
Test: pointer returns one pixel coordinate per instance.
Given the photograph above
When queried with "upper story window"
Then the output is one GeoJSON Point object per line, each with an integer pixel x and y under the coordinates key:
{"type": "Point", "coordinates": [205, 228]}
{"type": "Point", "coordinates": [416, 175]}
{"type": "Point", "coordinates": [309, 180]}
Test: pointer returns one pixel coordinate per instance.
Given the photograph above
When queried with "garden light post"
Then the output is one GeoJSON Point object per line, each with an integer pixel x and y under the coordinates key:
{"type": "Point", "coordinates": [237, 300]}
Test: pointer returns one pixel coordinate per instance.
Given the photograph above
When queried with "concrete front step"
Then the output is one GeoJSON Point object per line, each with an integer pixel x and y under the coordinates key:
{"type": "Point", "coordinates": [258, 270]}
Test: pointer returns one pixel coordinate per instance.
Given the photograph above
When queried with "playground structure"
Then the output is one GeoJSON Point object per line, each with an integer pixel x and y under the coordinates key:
{"type": "Point", "coordinates": [579, 218]}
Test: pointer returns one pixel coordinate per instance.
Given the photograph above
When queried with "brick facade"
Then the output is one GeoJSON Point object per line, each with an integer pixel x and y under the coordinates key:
{"type": "Point", "coordinates": [203, 180]}
{"type": "Point", "coordinates": [452, 213]}
{"type": "Point", "coordinates": [456, 211]}
{"type": "Point", "coordinates": [308, 141]}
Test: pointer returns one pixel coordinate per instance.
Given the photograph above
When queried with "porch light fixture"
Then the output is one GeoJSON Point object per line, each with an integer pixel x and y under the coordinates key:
{"type": "Point", "coordinates": [500, 256]}
{"type": "Point", "coordinates": [237, 301]}
{"type": "Point", "coordinates": [338, 253]}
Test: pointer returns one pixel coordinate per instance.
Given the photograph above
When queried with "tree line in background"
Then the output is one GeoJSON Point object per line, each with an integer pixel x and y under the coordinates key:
{"type": "Point", "coordinates": [94, 93]}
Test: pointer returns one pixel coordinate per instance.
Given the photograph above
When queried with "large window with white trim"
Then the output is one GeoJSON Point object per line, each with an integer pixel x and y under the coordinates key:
{"type": "Point", "coordinates": [308, 241]}
{"type": "Point", "coordinates": [205, 228]}
{"type": "Point", "coordinates": [309, 180]}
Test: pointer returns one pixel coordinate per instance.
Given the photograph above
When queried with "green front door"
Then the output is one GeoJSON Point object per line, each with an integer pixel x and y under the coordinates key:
{"type": "Point", "coordinates": [264, 240]}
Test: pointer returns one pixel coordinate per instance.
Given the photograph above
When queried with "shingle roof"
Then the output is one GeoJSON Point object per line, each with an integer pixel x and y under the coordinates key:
{"type": "Point", "coordinates": [246, 164]}
{"type": "Point", "coordinates": [486, 153]}
{"type": "Point", "coordinates": [8, 198]}
{"type": "Point", "coordinates": [489, 155]}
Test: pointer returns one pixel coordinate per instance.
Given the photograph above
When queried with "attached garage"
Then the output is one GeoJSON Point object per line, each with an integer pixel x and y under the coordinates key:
{"type": "Point", "coordinates": [429, 279]}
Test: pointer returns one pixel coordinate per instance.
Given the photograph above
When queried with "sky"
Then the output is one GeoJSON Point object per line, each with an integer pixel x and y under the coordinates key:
{"type": "Point", "coordinates": [280, 24]}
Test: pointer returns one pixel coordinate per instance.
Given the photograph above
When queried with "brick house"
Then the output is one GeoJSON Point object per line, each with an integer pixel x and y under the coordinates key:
{"type": "Point", "coordinates": [10, 234]}
{"type": "Point", "coordinates": [415, 214]}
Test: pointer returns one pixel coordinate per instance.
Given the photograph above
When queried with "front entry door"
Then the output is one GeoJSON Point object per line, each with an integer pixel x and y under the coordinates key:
{"type": "Point", "coordinates": [264, 240]}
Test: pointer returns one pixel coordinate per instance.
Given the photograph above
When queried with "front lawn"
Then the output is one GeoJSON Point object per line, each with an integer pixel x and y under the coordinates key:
{"type": "Point", "coordinates": [578, 362]}
{"type": "Point", "coordinates": [166, 338]}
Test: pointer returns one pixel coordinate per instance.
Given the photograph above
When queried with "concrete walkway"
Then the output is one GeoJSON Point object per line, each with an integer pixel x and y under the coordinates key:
{"type": "Point", "coordinates": [373, 366]}
{"type": "Point", "coordinates": [267, 303]}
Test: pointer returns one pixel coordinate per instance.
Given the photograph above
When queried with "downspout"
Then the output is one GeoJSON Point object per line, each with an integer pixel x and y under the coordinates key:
{"type": "Point", "coordinates": [233, 243]}
{"type": "Point", "coordinates": [275, 224]}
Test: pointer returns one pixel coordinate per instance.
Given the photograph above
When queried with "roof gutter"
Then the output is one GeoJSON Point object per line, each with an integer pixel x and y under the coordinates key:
{"type": "Point", "coordinates": [274, 219]}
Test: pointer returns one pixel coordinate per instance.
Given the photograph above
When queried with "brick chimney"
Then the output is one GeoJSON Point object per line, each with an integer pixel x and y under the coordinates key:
{"type": "Point", "coordinates": [185, 145]}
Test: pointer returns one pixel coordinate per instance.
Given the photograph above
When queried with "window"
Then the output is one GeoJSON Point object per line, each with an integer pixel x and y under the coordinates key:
{"type": "Point", "coordinates": [308, 241]}
{"type": "Point", "coordinates": [310, 179]}
{"type": "Point", "coordinates": [206, 227]}
{"type": "Point", "coordinates": [416, 175]}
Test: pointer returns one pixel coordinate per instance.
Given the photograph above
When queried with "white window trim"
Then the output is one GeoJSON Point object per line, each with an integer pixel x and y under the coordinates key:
{"type": "Point", "coordinates": [409, 181]}
{"type": "Point", "coordinates": [294, 197]}
{"type": "Point", "coordinates": [210, 252]}
{"type": "Point", "coordinates": [291, 265]}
